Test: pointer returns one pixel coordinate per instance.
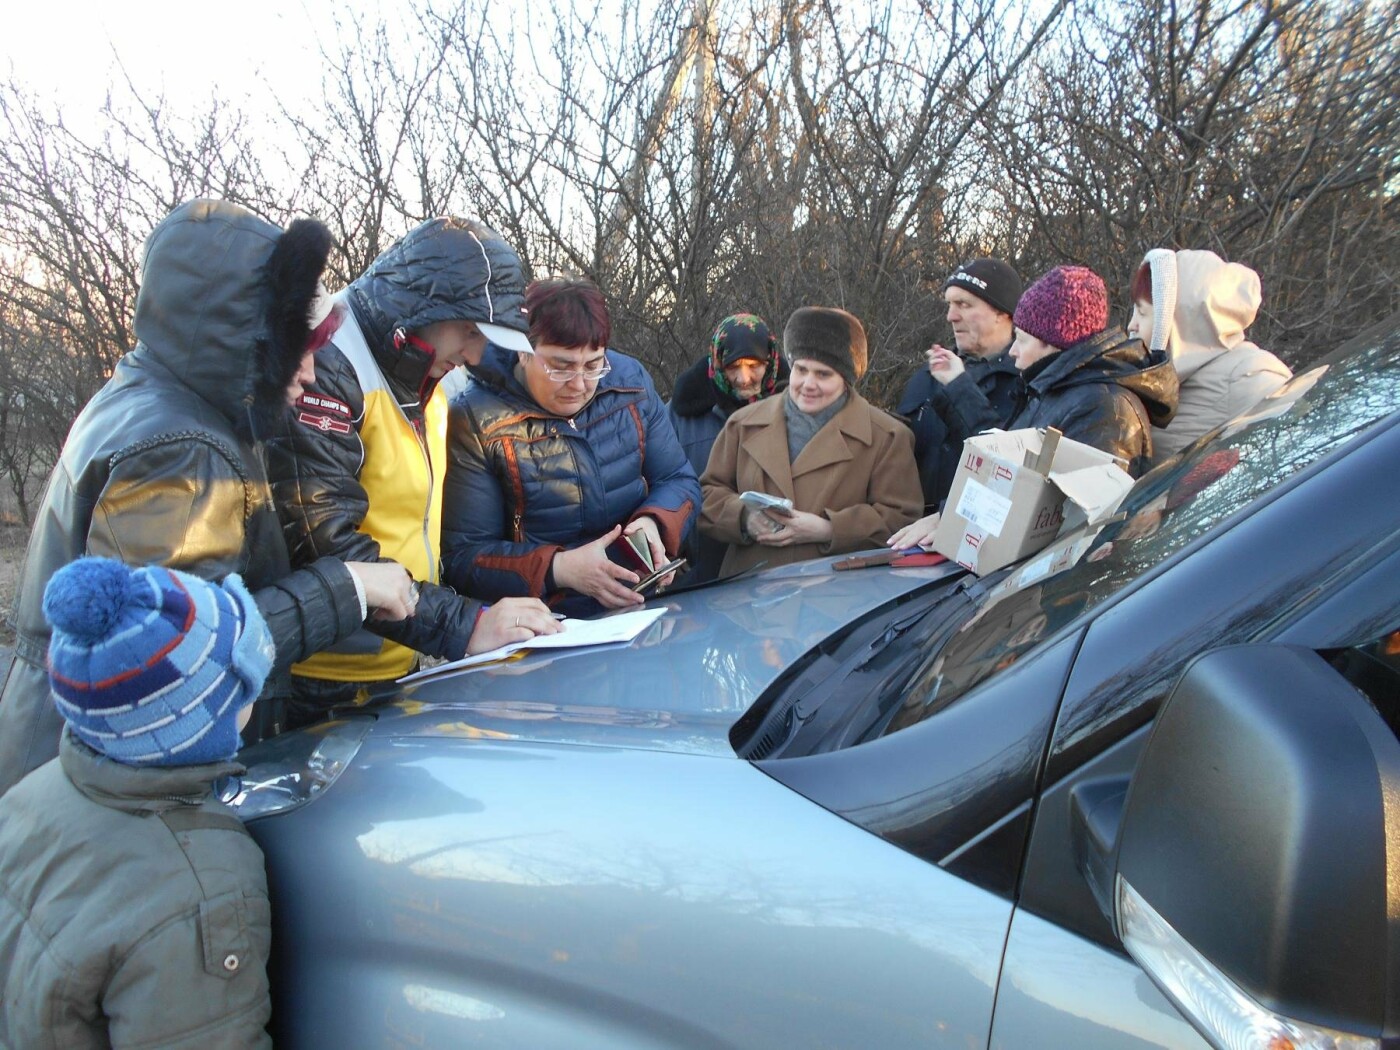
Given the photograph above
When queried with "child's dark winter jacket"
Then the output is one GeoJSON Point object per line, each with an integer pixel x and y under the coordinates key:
{"type": "Point", "coordinates": [133, 909]}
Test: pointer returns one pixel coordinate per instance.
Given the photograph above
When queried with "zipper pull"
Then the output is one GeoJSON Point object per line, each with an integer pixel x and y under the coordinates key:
{"type": "Point", "coordinates": [573, 425]}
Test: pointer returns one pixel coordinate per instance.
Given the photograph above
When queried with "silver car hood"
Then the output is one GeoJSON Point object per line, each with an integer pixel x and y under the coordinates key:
{"type": "Point", "coordinates": [679, 686]}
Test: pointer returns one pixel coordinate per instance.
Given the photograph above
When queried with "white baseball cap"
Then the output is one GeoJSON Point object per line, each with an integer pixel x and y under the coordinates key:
{"type": "Point", "coordinates": [507, 338]}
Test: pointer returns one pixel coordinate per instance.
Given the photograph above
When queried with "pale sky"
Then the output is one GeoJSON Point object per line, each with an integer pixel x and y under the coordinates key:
{"type": "Point", "coordinates": [67, 50]}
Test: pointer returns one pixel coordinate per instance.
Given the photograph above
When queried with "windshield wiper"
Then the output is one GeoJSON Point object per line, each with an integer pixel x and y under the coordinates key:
{"type": "Point", "coordinates": [682, 588]}
{"type": "Point", "coordinates": [801, 716]}
{"type": "Point", "coordinates": [894, 630]}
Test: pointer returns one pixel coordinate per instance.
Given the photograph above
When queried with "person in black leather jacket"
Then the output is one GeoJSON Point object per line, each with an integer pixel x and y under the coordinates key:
{"type": "Point", "coordinates": [163, 465]}
{"type": "Point", "coordinates": [1091, 381]}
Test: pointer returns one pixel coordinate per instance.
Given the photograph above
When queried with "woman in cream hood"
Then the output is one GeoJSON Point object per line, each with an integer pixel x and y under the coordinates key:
{"type": "Point", "coordinates": [1196, 307]}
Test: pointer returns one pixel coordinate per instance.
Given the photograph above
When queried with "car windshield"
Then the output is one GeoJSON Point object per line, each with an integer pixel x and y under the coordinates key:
{"type": "Point", "coordinates": [1013, 610]}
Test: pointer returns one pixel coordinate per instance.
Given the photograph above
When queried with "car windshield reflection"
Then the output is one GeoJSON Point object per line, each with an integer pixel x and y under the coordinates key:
{"type": "Point", "coordinates": [1166, 511]}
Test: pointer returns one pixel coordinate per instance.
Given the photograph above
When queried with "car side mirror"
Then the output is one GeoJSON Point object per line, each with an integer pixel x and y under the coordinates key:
{"type": "Point", "coordinates": [1257, 869]}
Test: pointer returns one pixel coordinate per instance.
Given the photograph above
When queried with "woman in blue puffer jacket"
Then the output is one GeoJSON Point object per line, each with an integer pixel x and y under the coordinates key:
{"type": "Point", "coordinates": [554, 455]}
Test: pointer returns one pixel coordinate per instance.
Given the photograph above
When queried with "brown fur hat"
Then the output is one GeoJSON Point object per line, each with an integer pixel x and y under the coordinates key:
{"type": "Point", "coordinates": [829, 336]}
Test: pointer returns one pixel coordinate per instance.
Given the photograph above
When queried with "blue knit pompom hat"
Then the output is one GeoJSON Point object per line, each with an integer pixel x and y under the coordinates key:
{"type": "Point", "coordinates": [152, 666]}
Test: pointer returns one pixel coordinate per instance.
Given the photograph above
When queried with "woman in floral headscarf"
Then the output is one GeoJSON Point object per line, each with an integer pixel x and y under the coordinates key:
{"type": "Point", "coordinates": [743, 366]}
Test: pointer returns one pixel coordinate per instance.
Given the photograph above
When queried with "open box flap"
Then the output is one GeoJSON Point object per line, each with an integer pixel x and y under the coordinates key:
{"type": "Point", "coordinates": [1095, 490]}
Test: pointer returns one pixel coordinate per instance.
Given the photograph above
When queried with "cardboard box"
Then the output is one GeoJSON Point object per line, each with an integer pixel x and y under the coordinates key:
{"type": "Point", "coordinates": [1015, 490]}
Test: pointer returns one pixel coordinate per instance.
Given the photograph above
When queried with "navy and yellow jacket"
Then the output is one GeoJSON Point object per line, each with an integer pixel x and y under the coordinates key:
{"type": "Point", "coordinates": [359, 475]}
{"type": "Point", "coordinates": [358, 470]}
{"type": "Point", "coordinates": [523, 484]}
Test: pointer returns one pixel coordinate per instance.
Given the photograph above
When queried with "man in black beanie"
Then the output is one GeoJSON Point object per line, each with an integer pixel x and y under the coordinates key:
{"type": "Point", "coordinates": [981, 297]}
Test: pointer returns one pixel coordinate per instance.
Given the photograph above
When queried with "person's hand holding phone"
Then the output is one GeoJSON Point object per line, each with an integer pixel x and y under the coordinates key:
{"type": "Point", "coordinates": [647, 526]}
{"type": "Point", "coordinates": [793, 527]}
{"type": "Point", "coordinates": [659, 580]}
{"type": "Point", "coordinates": [588, 570]}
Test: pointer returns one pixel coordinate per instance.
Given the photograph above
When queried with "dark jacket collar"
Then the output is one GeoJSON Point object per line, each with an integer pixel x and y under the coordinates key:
{"type": "Point", "coordinates": [695, 393]}
{"type": "Point", "coordinates": [1000, 362]}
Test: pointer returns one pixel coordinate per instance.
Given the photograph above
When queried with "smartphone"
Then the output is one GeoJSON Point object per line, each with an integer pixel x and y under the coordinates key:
{"type": "Point", "coordinates": [763, 501]}
{"type": "Point", "coordinates": [648, 583]}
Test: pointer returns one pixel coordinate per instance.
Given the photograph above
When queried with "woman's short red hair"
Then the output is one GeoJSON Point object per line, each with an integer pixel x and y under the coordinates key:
{"type": "Point", "coordinates": [568, 312]}
{"type": "Point", "coordinates": [1141, 288]}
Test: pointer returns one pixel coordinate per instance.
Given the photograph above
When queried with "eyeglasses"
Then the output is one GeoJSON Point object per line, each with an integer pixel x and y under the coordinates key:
{"type": "Point", "coordinates": [563, 375]}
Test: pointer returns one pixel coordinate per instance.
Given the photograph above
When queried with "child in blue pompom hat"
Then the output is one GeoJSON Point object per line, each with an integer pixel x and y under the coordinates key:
{"type": "Point", "coordinates": [133, 903]}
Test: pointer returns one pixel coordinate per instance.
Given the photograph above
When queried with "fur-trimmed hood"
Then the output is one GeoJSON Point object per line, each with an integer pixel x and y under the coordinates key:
{"type": "Point", "coordinates": [225, 305]}
{"type": "Point", "coordinates": [693, 394]}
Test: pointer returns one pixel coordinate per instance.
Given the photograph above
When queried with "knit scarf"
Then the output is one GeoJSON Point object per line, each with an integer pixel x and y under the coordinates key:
{"type": "Point", "coordinates": [803, 426]}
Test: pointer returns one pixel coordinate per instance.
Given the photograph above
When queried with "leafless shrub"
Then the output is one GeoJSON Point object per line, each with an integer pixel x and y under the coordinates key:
{"type": "Point", "coordinates": [704, 158]}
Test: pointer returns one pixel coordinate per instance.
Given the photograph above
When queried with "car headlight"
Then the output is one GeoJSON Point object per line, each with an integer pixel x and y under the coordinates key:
{"type": "Point", "coordinates": [288, 771]}
{"type": "Point", "coordinates": [1221, 1011]}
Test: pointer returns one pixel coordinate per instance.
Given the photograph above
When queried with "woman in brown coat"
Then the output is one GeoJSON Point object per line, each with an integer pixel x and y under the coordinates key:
{"type": "Point", "coordinates": [847, 466]}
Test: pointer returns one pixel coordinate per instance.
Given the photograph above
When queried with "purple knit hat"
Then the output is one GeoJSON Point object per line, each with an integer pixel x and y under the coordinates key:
{"type": "Point", "coordinates": [1064, 307]}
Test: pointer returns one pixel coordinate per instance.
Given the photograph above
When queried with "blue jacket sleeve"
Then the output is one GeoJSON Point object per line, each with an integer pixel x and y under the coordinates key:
{"type": "Point", "coordinates": [476, 514]}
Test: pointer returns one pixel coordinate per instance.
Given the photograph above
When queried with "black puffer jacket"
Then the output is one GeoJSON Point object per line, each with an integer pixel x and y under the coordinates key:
{"type": "Point", "coordinates": [1108, 391]}
{"type": "Point", "coordinates": [160, 467]}
{"type": "Point", "coordinates": [358, 469]}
